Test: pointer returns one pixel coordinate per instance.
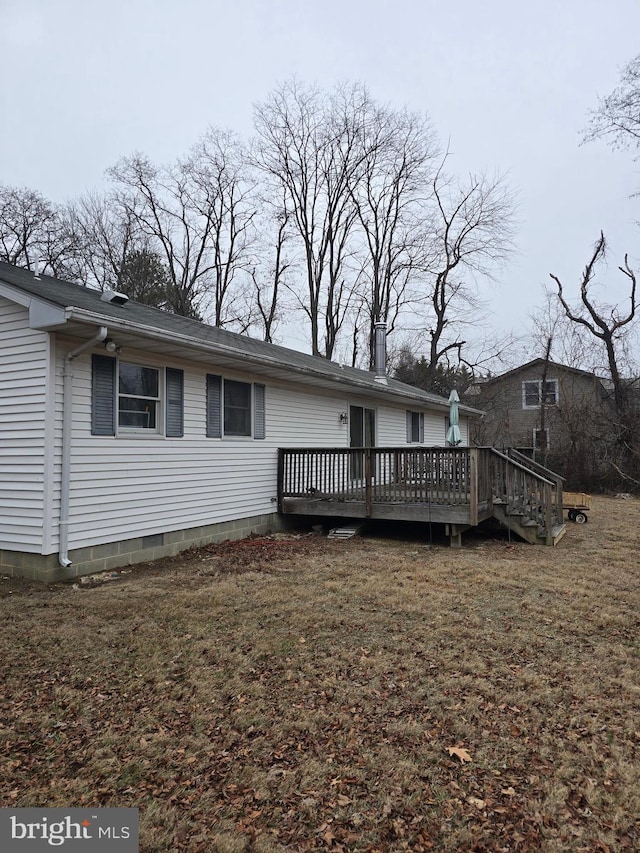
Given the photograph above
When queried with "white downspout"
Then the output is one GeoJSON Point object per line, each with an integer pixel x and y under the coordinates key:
{"type": "Point", "coordinates": [67, 423]}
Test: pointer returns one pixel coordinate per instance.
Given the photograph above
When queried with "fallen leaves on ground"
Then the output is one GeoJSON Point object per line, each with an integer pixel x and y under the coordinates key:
{"type": "Point", "coordinates": [306, 695]}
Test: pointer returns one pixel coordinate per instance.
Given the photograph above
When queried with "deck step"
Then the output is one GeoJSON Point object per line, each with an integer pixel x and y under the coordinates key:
{"type": "Point", "coordinates": [344, 532]}
{"type": "Point", "coordinates": [527, 528]}
{"type": "Point", "coordinates": [557, 532]}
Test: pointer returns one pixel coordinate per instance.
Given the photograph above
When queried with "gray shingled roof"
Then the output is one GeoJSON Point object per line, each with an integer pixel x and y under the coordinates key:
{"type": "Point", "coordinates": [67, 295]}
{"type": "Point", "coordinates": [539, 362]}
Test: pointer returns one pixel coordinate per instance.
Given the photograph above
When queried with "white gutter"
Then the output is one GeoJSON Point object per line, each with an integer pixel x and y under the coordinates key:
{"type": "Point", "coordinates": [216, 347]}
{"type": "Point", "coordinates": [67, 424]}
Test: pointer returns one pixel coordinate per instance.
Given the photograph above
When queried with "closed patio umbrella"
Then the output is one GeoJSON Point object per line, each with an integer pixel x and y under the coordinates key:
{"type": "Point", "coordinates": [453, 433]}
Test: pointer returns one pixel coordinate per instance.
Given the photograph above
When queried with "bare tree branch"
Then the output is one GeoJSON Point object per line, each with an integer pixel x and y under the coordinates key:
{"type": "Point", "coordinates": [608, 330]}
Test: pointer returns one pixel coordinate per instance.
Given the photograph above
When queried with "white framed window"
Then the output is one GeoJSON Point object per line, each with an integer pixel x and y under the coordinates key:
{"type": "Point", "coordinates": [138, 397]}
{"type": "Point", "coordinates": [235, 409]}
{"type": "Point", "coordinates": [127, 397]}
{"type": "Point", "coordinates": [415, 427]}
{"type": "Point", "coordinates": [532, 393]}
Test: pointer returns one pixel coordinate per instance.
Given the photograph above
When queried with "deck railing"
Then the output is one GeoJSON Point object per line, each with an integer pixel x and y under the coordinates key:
{"type": "Point", "coordinates": [435, 475]}
{"type": "Point", "coordinates": [476, 478]}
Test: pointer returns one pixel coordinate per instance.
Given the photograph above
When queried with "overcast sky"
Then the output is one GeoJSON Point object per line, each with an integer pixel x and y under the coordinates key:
{"type": "Point", "coordinates": [509, 84]}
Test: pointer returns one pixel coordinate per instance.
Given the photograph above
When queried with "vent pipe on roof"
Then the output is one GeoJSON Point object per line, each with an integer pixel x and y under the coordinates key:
{"type": "Point", "coordinates": [36, 267]}
{"type": "Point", "coordinates": [114, 298]}
{"type": "Point", "coordinates": [380, 351]}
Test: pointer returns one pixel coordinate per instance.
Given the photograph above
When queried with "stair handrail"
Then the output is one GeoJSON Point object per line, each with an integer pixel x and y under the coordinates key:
{"type": "Point", "coordinates": [519, 465]}
{"type": "Point", "coordinates": [550, 489]}
{"type": "Point", "coordinates": [535, 466]}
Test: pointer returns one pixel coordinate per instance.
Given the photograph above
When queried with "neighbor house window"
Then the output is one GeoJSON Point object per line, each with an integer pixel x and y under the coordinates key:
{"type": "Point", "coordinates": [127, 397]}
{"type": "Point", "coordinates": [235, 408]}
{"type": "Point", "coordinates": [532, 393]}
{"type": "Point", "coordinates": [541, 439]}
{"type": "Point", "coordinates": [415, 427]}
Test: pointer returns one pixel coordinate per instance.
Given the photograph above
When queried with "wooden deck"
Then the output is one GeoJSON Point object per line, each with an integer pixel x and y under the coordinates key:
{"type": "Point", "coordinates": [457, 487]}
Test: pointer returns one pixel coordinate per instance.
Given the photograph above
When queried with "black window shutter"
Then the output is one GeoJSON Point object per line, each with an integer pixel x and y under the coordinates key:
{"type": "Point", "coordinates": [214, 400]}
{"type": "Point", "coordinates": [103, 395]}
{"type": "Point", "coordinates": [409, 427]}
{"type": "Point", "coordinates": [259, 424]}
{"type": "Point", "coordinates": [421, 427]}
{"type": "Point", "coordinates": [175, 403]}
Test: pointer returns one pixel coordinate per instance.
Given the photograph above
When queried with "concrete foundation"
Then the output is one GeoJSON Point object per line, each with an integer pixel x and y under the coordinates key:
{"type": "Point", "coordinates": [127, 552]}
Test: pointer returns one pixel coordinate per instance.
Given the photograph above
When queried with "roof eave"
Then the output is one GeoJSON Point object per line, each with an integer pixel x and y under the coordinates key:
{"type": "Point", "coordinates": [371, 388]}
{"type": "Point", "coordinates": [51, 318]}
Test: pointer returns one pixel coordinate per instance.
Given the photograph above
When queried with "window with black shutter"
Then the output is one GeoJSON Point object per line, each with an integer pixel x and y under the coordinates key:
{"type": "Point", "coordinates": [234, 407]}
{"type": "Point", "coordinates": [126, 397]}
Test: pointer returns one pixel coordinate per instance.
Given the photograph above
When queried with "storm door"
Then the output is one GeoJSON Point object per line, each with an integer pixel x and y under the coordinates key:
{"type": "Point", "coordinates": [362, 433]}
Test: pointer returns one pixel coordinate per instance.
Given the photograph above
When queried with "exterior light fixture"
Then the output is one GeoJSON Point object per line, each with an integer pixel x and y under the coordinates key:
{"type": "Point", "coordinates": [111, 346]}
{"type": "Point", "coordinates": [343, 418]}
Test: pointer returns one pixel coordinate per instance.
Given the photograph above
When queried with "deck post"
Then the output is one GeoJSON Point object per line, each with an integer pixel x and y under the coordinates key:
{"type": "Point", "coordinates": [367, 482]}
{"type": "Point", "coordinates": [454, 532]}
{"type": "Point", "coordinates": [473, 486]}
{"type": "Point", "coordinates": [280, 477]}
{"type": "Point", "coordinates": [548, 513]}
{"type": "Point", "coordinates": [558, 496]}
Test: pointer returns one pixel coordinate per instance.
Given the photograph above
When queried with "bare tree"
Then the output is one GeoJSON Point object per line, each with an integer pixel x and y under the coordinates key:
{"type": "Point", "coordinates": [197, 214]}
{"type": "Point", "coordinates": [389, 187]}
{"type": "Point", "coordinates": [610, 326]}
{"type": "Point", "coordinates": [569, 341]}
{"type": "Point", "coordinates": [33, 232]}
{"type": "Point", "coordinates": [606, 329]}
{"type": "Point", "coordinates": [105, 232]}
{"type": "Point", "coordinates": [473, 231]}
{"type": "Point", "coordinates": [617, 118]}
{"type": "Point", "coordinates": [224, 194]}
{"type": "Point", "coordinates": [269, 273]}
{"type": "Point", "coordinates": [544, 375]}
{"type": "Point", "coordinates": [307, 144]}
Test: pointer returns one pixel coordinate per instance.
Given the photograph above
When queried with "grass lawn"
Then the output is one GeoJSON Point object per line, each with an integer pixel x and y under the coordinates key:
{"type": "Point", "coordinates": [374, 694]}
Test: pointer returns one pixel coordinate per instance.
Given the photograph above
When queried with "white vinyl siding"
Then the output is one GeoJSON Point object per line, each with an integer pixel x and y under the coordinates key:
{"type": "Point", "coordinates": [127, 486]}
{"type": "Point", "coordinates": [24, 357]}
{"type": "Point", "coordinates": [392, 428]}
{"type": "Point", "coordinates": [134, 485]}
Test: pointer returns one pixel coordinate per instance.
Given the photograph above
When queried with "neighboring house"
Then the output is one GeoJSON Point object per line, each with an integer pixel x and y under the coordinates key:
{"type": "Point", "coordinates": [128, 433]}
{"type": "Point", "coordinates": [547, 410]}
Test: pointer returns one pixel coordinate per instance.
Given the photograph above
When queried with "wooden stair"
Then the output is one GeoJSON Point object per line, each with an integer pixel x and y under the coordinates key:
{"type": "Point", "coordinates": [527, 528]}
{"type": "Point", "coordinates": [527, 498]}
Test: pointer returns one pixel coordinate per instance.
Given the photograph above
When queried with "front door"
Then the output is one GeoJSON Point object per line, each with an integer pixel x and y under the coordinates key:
{"type": "Point", "coordinates": [362, 433]}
